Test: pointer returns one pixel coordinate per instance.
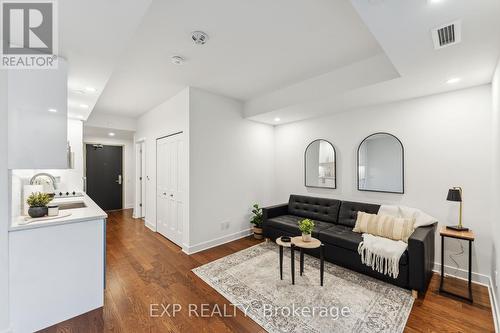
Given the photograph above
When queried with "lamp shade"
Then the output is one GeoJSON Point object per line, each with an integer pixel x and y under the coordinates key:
{"type": "Point", "coordinates": [454, 195]}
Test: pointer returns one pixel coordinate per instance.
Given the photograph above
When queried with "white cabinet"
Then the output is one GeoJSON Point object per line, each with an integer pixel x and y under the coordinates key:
{"type": "Point", "coordinates": [37, 116]}
{"type": "Point", "coordinates": [56, 273]}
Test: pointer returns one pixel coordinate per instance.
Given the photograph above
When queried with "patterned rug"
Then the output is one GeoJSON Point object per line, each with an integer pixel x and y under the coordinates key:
{"type": "Point", "coordinates": [348, 301]}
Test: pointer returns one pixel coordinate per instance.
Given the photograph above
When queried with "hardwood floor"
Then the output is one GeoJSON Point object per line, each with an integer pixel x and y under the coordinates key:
{"type": "Point", "coordinates": [144, 268]}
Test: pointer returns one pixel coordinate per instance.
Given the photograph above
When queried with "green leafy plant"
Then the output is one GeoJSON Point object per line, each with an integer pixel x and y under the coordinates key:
{"type": "Point", "coordinates": [38, 199]}
{"type": "Point", "coordinates": [256, 219]}
{"type": "Point", "coordinates": [306, 226]}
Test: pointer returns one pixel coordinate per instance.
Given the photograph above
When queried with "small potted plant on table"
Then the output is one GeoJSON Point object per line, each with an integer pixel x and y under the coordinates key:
{"type": "Point", "coordinates": [306, 226]}
{"type": "Point", "coordinates": [38, 204]}
{"type": "Point", "coordinates": [256, 220]}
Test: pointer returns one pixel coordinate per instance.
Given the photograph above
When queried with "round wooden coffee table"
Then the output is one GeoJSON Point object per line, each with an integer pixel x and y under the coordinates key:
{"type": "Point", "coordinates": [298, 242]}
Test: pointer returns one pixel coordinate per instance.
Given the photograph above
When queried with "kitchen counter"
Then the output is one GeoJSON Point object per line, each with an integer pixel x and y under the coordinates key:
{"type": "Point", "coordinates": [57, 267]}
{"type": "Point", "coordinates": [89, 213]}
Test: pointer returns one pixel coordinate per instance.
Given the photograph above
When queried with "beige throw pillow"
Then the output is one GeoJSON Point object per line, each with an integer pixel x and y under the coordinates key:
{"type": "Point", "coordinates": [396, 228]}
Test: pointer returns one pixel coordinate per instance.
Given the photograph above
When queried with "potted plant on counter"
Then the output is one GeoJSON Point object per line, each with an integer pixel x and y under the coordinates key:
{"type": "Point", "coordinates": [256, 220]}
{"type": "Point", "coordinates": [306, 226]}
{"type": "Point", "coordinates": [38, 204]}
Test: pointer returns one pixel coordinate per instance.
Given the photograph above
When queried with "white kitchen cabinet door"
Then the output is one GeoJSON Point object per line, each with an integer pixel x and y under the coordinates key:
{"type": "Point", "coordinates": [37, 107]}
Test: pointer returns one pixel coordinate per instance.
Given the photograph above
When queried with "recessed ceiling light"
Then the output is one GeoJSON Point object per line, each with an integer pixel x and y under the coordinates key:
{"type": "Point", "coordinates": [90, 89]}
{"type": "Point", "coordinates": [453, 80]}
{"type": "Point", "coordinates": [277, 119]}
{"type": "Point", "coordinates": [111, 134]}
{"type": "Point", "coordinates": [52, 110]}
{"type": "Point", "coordinates": [434, 1]}
{"type": "Point", "coordinates": [84, 106]}
{"type": "Point", "coordinates": [199, 37]}
{"type": "Point", "coordinates": [177, 60]}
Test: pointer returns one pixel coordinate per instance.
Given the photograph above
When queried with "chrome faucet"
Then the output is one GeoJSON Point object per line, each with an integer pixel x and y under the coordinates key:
{"type": "Point", "coordinates": [52, 178]}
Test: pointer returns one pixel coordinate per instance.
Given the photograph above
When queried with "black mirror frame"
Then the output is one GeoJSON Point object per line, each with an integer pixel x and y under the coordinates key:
{"type": "Point", "coordinates": [334, 168]}
{"type": "Point", "coordinates": [402, 164]}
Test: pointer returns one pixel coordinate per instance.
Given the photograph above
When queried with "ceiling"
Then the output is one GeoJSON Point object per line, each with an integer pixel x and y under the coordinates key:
{"type": "Point", "coordinates": [92, 34]}
{"type": "Point", "coordinates": [254, 47]}
{"type": "Point", "coordinates": [284, 59]}
{"type": "Point", "coordinates": [90, 133]}
{"type": "Point", "coordinates": [403, 30]}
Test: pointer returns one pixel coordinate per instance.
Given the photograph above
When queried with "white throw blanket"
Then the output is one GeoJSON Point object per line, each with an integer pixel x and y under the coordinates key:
{"type": "Point", "coordinates": [381, 254]}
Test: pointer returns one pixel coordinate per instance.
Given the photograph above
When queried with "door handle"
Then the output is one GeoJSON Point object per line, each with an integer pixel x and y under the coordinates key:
{"type": "Point", "coordinates": [119, 180]}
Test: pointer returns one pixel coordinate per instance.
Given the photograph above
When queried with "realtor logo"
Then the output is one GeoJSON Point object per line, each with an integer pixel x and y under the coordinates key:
{"type": "Point", "coordinates": [29, 34]}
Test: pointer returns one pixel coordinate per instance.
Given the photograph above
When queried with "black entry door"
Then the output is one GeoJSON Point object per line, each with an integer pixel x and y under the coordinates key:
{"type": "Point", "coordinates": [104, 175]}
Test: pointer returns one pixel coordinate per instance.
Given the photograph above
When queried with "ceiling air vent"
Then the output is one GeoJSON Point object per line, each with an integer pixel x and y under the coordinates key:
{"type": "Point", "coordinates": [447, 35]}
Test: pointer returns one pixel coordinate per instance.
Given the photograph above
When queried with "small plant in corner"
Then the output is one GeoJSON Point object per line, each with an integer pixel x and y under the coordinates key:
{"type": "Point", "coordinates": [306, 226]}
{"type": "Point", "coordinates": [38, 204]}
{"type": "Point", "coordinates": [256, 220]}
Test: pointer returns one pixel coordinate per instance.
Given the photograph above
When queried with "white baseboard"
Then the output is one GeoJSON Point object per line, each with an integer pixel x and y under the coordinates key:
{"type": "Point", "coordinates": [150, 225]}
{"type": "Point", "coordinates": [462, 274]}
{"type": "Point", "coordinates": [494, 306]}
{"type": "Point", "coordinates": [477, 278]}
{"type": "Point", "coordinates": [216, 242]}
{"type": "Point", "coordinates": [129, 206]}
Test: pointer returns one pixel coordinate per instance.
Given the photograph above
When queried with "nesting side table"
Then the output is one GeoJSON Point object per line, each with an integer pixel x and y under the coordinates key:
{"type": "Point", "coordinates": [297, 242]}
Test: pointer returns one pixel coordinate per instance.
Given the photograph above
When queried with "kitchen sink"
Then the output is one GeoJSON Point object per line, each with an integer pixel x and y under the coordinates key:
{"type": "Point", "coordinates": [71, 205]}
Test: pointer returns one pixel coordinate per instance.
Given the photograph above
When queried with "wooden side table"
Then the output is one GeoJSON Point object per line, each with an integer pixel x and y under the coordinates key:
{"type": "Point", "coordinates": [298, 242]}
{"type": "Point", "coordinates": [281, 245]}
{"type": "Point", "coordinates": [463, 235]}
{"type": "Point", "coordinates": [313, 244]}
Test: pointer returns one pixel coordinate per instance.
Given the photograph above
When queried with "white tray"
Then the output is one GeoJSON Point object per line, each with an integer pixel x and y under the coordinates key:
{"type": "Point", "coordinates": [29, 219]}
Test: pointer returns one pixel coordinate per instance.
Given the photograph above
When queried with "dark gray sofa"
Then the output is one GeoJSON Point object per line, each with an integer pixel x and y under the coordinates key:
{"type": "Point", "coordinates": [334, 220]}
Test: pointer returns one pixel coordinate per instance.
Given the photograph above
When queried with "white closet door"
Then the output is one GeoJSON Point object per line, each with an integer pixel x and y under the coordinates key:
{"type": "Point", "coordinates": [171, 174]}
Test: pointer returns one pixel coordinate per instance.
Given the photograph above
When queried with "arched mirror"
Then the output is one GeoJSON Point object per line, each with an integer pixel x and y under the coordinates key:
{"type": "Point", "coordinates": [320, 159]}
{"type": "Point", "coordinates": [381, 164]}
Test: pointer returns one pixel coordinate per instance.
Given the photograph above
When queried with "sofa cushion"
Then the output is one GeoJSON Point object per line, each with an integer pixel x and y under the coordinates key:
{"type": "Point", "coordinates": [344, 237]}
{"type": "Point", "coordinates": [318, 209]}
{"type": "Point", "coordinates": [349, 212]}
{"type": "Point", "coordinates": [289, 224]}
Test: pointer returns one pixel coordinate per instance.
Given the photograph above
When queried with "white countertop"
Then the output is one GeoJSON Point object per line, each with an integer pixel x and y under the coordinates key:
{"type": "Point", "coordinates": [89, 213]}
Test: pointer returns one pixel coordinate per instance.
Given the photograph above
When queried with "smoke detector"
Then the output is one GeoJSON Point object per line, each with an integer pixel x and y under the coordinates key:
{"type": "Point", "coordinates": [199, 37]}
{"type": "Point", "coordinates": [447, 35]}
{"type": "Point", "coordinates": [177, 60]}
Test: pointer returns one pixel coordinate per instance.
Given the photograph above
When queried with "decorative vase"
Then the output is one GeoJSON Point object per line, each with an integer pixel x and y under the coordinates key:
{"type": "Point", "coordinates": [306, 237]}
{"type": "Point", "coordinates": [36, 212]}
{"type": "Point", "coordinates": [257, 233]}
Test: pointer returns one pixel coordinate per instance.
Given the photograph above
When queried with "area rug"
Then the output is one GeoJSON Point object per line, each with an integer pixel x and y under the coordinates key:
{"type": "Point", "coordinates": [348, 301]}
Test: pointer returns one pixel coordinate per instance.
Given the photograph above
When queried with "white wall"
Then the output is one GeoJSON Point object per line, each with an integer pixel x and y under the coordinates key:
{"type": "Point", "coordinates": [495, 218]}
{"type": "Point", "coordinates": [167, 118]}
{"type": "Point", "coordinates": [231, 167]}
{"type": "Point", "coordinates": [4, 208]}
{"type": "Point", "coordinates": [447, 141]}
{"type": "Point", "coordinates": [128, 164]}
